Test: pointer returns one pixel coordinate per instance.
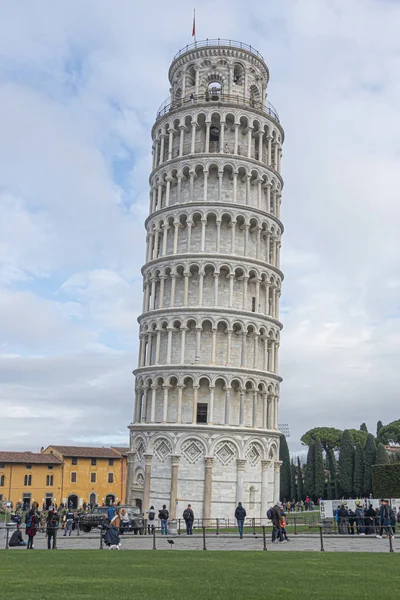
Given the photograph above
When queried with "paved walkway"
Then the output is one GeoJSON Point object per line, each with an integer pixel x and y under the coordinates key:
{"type": "Point", "coordinates": [305, 543]}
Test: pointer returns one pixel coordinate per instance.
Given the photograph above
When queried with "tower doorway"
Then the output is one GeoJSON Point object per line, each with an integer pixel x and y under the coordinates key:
{"type": "Point", "coordinates": [72, 501]}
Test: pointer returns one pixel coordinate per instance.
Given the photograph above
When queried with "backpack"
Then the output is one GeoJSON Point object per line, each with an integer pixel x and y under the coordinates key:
{"type": "Point", "coordinates": [162, 515]}
{"type": "Point", "coordinates": [270, 514]}
{"type": "Point", "coordinates": [186, 514]}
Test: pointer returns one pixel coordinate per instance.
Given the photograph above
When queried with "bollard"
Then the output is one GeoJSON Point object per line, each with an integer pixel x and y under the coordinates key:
{"type": "Point", "coordinates": [7, 536]}
{"type": "Point", "coordinates": [264, 538]}
{"type": "Point", "coordinates": [78, 527]}
{"type": "Point", "coordinates": [390, 539]}
{"type": "Point", "coordinates": [322, 539]}
{"type": "Point", "coordinates": [55, 539]}
{"type": "Point", "coordinates": [101, 539]}
{"type": "Point", "coordinates": [204, 539]}
{"type": "Point", "coordinates": [154, 539]}
{"type": "Point", "coordinates": [217, 526]}
{"type": "Point", "coordinates": [179, 527]}
{"type": "Point", "coordinates": [295, 526]}
{"type": "Point", "coordinates": [254, 525]}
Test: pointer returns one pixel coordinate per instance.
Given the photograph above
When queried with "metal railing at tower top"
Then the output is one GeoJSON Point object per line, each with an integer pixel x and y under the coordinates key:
{"type": "Point", "coordinates": [217, 97]}
{"type": "Point", "coordinates": [218, 42]}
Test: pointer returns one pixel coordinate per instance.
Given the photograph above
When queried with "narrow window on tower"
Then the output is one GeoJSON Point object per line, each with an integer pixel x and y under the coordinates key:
{"type": "Point", "coordinates": [253, 304]}
{"type": "Point", "coordinates": [202, 413]}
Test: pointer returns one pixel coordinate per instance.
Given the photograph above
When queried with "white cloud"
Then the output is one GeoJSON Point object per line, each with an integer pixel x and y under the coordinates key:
{"type": "Point", "coordinates": [79, 86]}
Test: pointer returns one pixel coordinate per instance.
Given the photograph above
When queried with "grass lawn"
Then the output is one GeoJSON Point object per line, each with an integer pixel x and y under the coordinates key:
{"type": "Point", "coordinates": [178, 575]}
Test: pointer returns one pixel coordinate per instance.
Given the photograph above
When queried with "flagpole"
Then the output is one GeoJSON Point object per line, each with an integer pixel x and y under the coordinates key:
{"type": "Point", "coordinates": [194, 26]}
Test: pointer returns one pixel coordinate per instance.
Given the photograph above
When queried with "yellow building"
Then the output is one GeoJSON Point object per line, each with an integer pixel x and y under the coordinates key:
{"type": "Point", "coordinates": [91, 475]}
{"type": "Point", "coordinates": [63, 474]}
{"type": "Point", "coordinates": [27, 477]}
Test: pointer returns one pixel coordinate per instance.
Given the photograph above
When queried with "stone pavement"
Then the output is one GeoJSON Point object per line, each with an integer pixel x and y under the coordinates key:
{"type": "Point", "coordinates": [301, 542]}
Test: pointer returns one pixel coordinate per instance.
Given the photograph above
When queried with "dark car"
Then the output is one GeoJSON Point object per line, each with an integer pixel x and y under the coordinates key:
{"type": "Point", "coordinates": [98, 515]}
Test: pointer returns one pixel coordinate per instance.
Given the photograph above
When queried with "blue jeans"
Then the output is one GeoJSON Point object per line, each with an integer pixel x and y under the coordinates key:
{"type": "Point", "coordinates": [240, 526]}
{"type": "Point", "coordinates": [189, 527]}
{"type": "Point", "coordinates": [164, 526]}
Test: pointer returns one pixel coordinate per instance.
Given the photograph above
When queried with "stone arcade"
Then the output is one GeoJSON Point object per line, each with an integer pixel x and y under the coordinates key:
{"type": "Point", "coordinates": [205, 426]}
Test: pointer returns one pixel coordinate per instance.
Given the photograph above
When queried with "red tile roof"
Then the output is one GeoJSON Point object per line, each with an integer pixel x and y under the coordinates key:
{"type": "Point", "coordinates": [84, 451]}
{"type": "Point", "coordinates": [121, 450]}
{"type": "Point", "coordinates": [28, 457]}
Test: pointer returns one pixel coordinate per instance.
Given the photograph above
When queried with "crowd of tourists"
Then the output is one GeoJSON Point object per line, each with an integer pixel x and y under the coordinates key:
{"type": "Point", "coordinates": [367, 520]}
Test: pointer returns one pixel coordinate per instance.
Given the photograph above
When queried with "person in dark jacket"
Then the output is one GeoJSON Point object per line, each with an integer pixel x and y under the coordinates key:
{"type": "Point", "coordinates": [240, 515]}
{"type": "Point", "coordinates": [343, 520]}
{"type": "Point", "coordinates": [31, 522]}
{"type": "Point", "coordinates": [370, 515]}
{"type": "Point", "coordinates": [188, 515]}
{"type": "Point", "coordinates": [276, 522]}
{"type": "Point", "coordinates": [111, 537]}
{"type": "Point", "coordinates": [53, 521]}
{"type": "Point", "coordinates": [163, 515]}
{"type": "Point", "coordinates": [16, 538]}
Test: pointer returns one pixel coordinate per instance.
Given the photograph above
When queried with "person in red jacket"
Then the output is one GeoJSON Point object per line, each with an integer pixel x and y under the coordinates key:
{"type": "Point", "coordinates": [31, 523]}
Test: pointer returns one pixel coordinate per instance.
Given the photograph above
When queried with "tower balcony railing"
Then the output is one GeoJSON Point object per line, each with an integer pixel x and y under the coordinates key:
{"type": "Point", "coordinates": [217, 97]}
{"type": "Point", "coordinates": [217, 42]}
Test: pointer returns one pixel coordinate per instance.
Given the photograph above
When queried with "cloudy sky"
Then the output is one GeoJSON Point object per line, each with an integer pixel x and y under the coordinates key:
{"type": "Point", "coordinates": [80, 83]}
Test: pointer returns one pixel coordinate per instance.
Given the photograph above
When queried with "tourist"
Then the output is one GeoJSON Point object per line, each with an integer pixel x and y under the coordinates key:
{"type": "Point", "coordinates": [352, 521]}
{"type": "Point", "coordinates": [282, 524]}
{"type": "Point", "coordinates": [111, 536]}
{"type": "Point", "coordinates": [52, 525]}
{"type": "Point", "coordinates": [16, 538]}
{"type": "Point", "coordinates": [163, 515]}
{"type": "Point", "coordinates": [69, 521]}
{"type": "Point", "coordinates": [192, 98]}
{"type": "Point", "coordinates": [343, 515]}
{"type": "Point", "coordinates": [111, 512]}
{"type": "Point", "coordinates": [31, 522]}
{"type": "Point", "coordinates": [240, 515]}
{"type": "Point", "coordinates": [151, 517]}
{"type": "Point", "coordinates": [125, 522]}
{"type": "Point", "coordinates": [359, 519]}
{"type": "Point", "coordinates": [370, 515]}
{"type": "Point", "coordinates": [188, 515]}
{"type": "Point", "coordinates": [276, 522]}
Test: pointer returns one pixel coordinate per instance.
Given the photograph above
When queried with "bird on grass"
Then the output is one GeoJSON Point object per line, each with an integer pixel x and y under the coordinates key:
{"type": "Point", "coordinates": [171, 543]}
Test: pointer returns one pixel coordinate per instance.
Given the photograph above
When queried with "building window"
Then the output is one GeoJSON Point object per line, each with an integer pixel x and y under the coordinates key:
{"type": "Point", "coordinates": [110, 462]}
{"type": "Point", "coordinates": [92, 477]}
{"type": "Point", "coordinates": [253, 304]}
{"type": "Point", "coordinates": [201, 413]}
{"type": "Point", "coordinates": [1, 480]}
{"type": "Point", "coordinates": [94, 462]}
{"type": "Point", "coordinates": [2, 466]}
{"type": "Point", "coordinates": [50, 467]}
{"type": "Point", "coordinates": [74, 461]}
{"type": "Point", "coordinates": [29, 466]}
{"type": "Point", "coordinates": [111, 478]}
{"type": "Point", "coordinates": [73, 477]}
{"type": "Point", "coordinates": [28, 480]}
{"type": "Point", "coordinates": [49, 480]}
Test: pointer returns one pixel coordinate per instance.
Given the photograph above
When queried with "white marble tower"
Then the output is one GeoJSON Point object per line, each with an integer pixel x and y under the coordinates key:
{"type": "Point", "coordinates": [205, 426]}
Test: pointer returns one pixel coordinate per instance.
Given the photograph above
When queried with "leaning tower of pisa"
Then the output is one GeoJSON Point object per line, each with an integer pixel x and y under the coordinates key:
{"type": "Point", "coordinates": [205, 425]}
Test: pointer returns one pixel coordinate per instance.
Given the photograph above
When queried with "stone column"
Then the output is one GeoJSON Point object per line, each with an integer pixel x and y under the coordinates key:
{"type": "Point", "coordinates": [207, 146]}
{"type": "Point", "coordinates": [183, 335]}
{"type": "Point", "coordinates": [227, 405]}
{"type": "Point", "coordinates": [233, 232]}
{"type": "Point", "coordinates": [174, 485]}
{"type": "Point", "coordinates": [240, 467]}
{"type": "Point", "coordinates": [220, 178]}
{"type": "Point", "coordinates": [228, 349]}
{"type": "Point", "coordinates": [173, 286]}
{"type": "Point", "coordinates": [182, 128]}
{"type": "Point", "coordinates": [277, 480]}
{"type": "Point", "coordinates": [214, 345]}
{"type": "Point", "coordinates": [216, 283]}
{"type": "Point", "coordinates": [144, 405]}
{"type": "Point", "coordinates": [241, 408]}
{"type": "Point", "coordinates": [192, 147]}
{"type": "Point", "coordinates": [153, 403]}
{"type": "Point", "coordinates": [162, 285]}
{"type": "Point", "coordinates": [211, 406]}
{"type": "Point", "coordinates": [198, 344]}
{"type": "Point", "coordinates": [243, 354]}
{"type": "Point", "coordinates": [195, 397]}
{"type": "Point", "coordinates": [254, 419]}
{"type": "Point", "coordinates": [165, 240]}
{"type": "Point", "coordinates": [176, 233]}
{"type": "Point", "coordinates": [269, 158]}
{"type": "Point", "coordinates": [203, 235]}
{"type": "Point", "coordinates": [231, 278]}
{"type": "Point", "coordinates": [218, 235]}
{"type": "Point", "coordinates": [189, 235]}
{"type": "Point", "coordinates": [147, 482]}
{"type": "Point", "coordinates": [165, 403]}
{"type": "Point", "coordinates": [235, 176]}
{"type": "Point", "coordinates": [205, 185]}
{"type": "Point", "coordinates": [235, 149]}
{"type": "Point", "coordinates": [161, 159]}
{"type": "Point", "coordinates": [168, 190]}
{"type": "Point", "coordinates": [130, 473]}
{"type": "Point", "coordinates": [179, 412]}
{"type": "Point", "coordinates": [264, 488]}
{"type": "Point", "coordinates": [264, 397]}
{"type": "Point", "coordinates": [169, 344]}
{"type": "Point", "coordinates": [207, 488]}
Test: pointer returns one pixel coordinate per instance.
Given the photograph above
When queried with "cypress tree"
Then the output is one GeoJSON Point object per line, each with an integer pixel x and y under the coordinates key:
{"type": "Point", "coordinates": [293, 487]}
{"type": "Point", "coordinates": [333, 492]}
{"type": "Point", "coordinates": [379, 426]}
{"type": "Point", "coordinates": [346, 464]}
{"type": "Point", "coordinates": [300, 493]}
{"type": "Point", "coordinates": [358, 477]}
{"type": "Point", "coordinates": [363, 427]}
{"type": "Point", "coordinates": [319, 475]}
{"type": "Point", "coordinates": [369, 460]}
{"type": "Point", "coordinates": [309, 472]}
{"type": "Point", "coordinates": [382, 457]}
{"type": "Point", "coordinates": [284, 456]}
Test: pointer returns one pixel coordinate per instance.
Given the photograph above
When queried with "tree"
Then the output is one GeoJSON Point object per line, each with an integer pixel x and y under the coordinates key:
{"type": "Point", "coordinates": [309, 471]}
{"type": "Point", "coordinates": [358, 478]}
{"type": "Point", "coordinates": [382, 457]}
{"type": "Point", "coordinates": [319, 474]}
{"type": "Point", "coordinates": [389, 433]}
{"type": "Point", "coordinates": [346, 464]}
{"type": "Point", "coordinates": [369, 460]}
{"type": "Point", "coordinates": [363, 427]}
{"type": "Point", "coordinates": [293, 487]}
{"type": "Point", "coordinates": [300, 492]}
{"type": "Point", "coordinates": [379, 426]}
{"type": "Point", "coordinates": [284, 456]}
{"type": "Point", "coordinates": [333, 492]}
{"type": "Point", "coordinates": [358, 436]}
{"type": "Point", "coordinates": [329, 437]}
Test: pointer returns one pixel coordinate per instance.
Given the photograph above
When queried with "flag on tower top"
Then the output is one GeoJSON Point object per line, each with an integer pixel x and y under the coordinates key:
{"type": "Point", "coordinates": [194, 24]}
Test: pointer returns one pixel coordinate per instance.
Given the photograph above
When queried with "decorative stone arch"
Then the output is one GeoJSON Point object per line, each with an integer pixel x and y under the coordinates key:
{"type": "Point", "coordinates": [193, 447]}
{"type": "Point", "coordinates": [254, 451]}
{"type": "Point", "coordinates": [226, 449]}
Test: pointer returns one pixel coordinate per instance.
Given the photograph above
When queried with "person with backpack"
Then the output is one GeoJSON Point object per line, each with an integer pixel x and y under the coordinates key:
{"type": "Point", "coordinates": [69, 521]}
{"type": "Point", "coordinates": [151, 517]}
{"type": "Point", "coordinates": [53, 521]}
{"type": "Point", "coordinates": [274, 514]}
{"type": "Point", "coordinates": [163, 515]}
{"type": "Point", "coordinates": [240, 515]}
{"type": "Point", "coordinates": [188, 515]}
{"type": "Point", "coordinates": [31, 523]}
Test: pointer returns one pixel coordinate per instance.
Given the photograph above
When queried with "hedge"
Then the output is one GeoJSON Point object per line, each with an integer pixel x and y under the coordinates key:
{"type": "Point", "coordinates": [386, 481]}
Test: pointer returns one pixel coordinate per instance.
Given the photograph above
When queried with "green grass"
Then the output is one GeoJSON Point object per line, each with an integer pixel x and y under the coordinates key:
{"type": "Point", "coordinates": [178, 575]}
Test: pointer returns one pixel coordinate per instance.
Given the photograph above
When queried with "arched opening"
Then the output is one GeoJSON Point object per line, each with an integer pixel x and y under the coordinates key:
{"type": "Point", "coordinates": [109, 499]}
{"type": "Point", "coordinates": [72, 501]}
{"type": "Point", "coordinates": [214, 90]}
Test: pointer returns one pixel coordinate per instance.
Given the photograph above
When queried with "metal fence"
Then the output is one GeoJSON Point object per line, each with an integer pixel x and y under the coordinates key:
{"type": "Point", "coordinates": [217, 42]}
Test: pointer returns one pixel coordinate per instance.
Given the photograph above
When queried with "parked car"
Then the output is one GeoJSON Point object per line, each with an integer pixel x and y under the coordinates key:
{"type": "Point", "coordinates": [98, 515]}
